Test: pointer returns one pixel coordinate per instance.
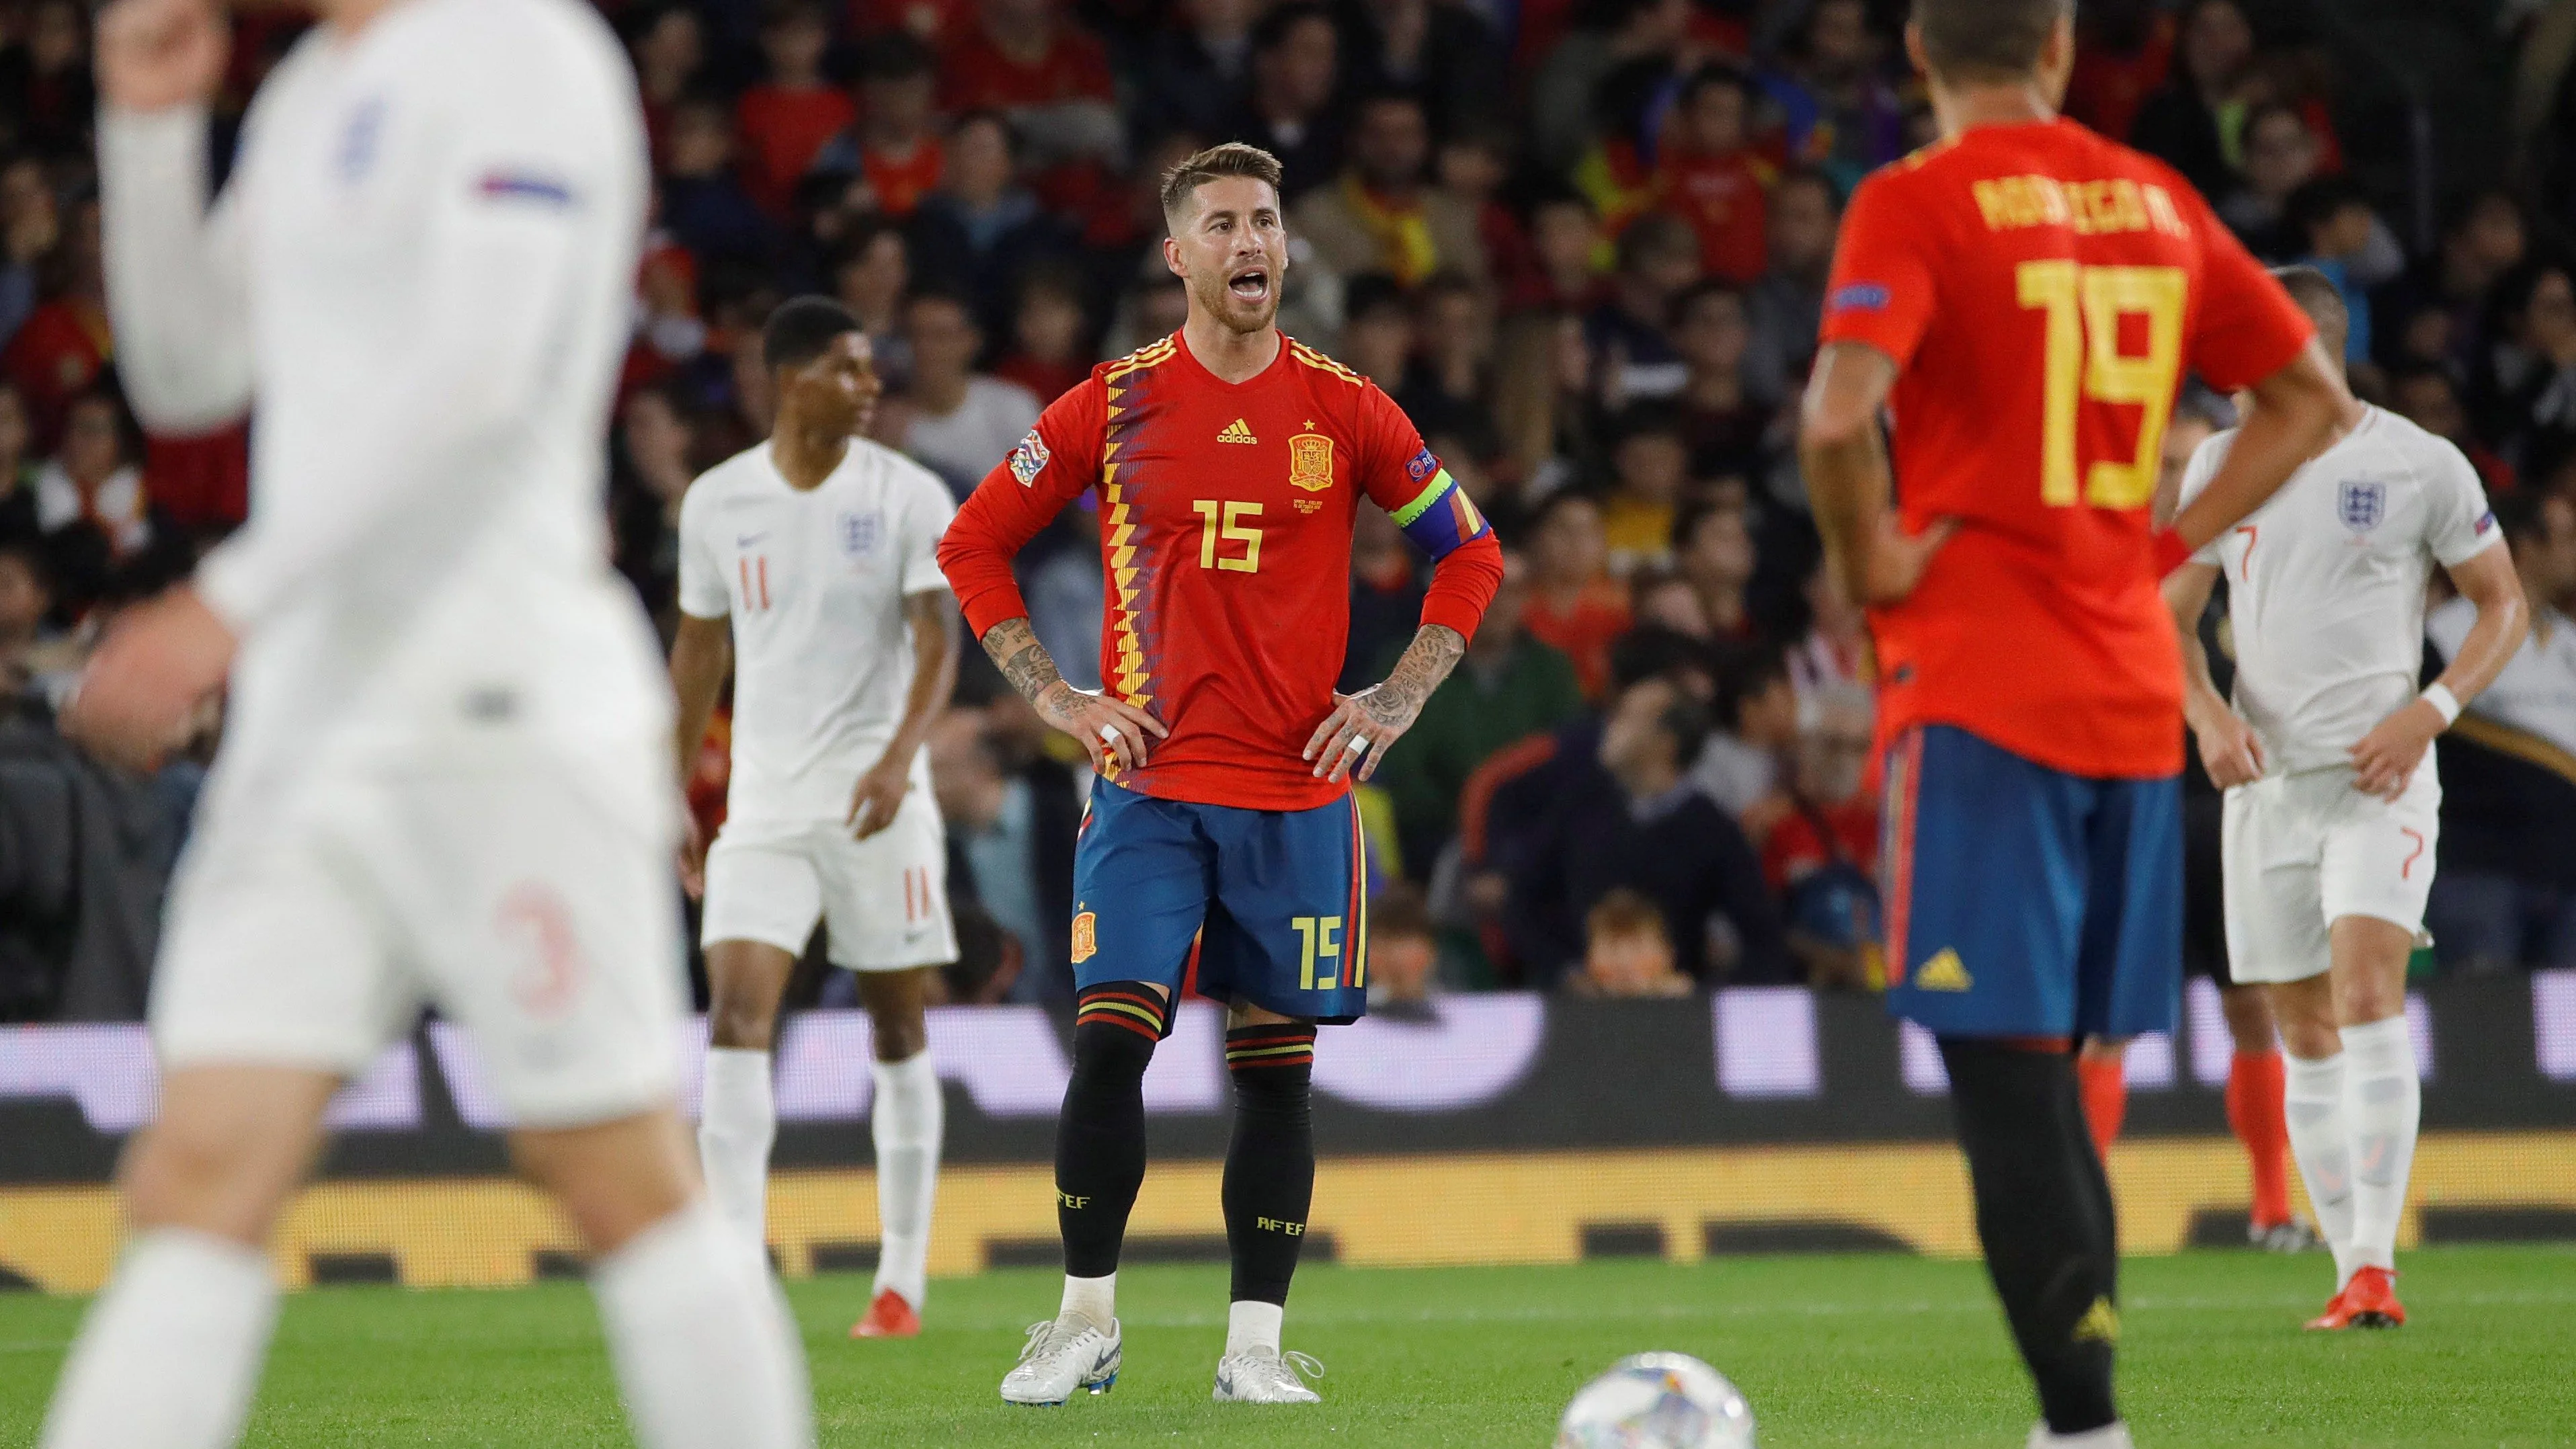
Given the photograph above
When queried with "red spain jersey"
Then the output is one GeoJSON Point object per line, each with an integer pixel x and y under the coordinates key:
{"type": "Point", "coordinates": [2043, 291]}
{"type": "Point", "coordinates": [1225, 531]}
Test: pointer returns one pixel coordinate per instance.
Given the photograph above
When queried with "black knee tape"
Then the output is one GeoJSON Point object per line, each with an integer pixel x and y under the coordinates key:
{"type": "Point", "coordinates": [1270, 1164]}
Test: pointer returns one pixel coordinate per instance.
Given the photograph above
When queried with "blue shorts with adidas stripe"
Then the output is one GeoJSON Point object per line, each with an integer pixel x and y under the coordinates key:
{"type": "Point", "coordinates": [1262, 906]}
{"type": "Point", "coordinates": [2026, 902]}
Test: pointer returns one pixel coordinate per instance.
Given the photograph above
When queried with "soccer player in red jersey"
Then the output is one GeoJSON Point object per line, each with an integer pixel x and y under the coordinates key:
{"type": "Point", "coordinates": [1222, 851]}
{"type": "Point", "coordinates": [2024, 297]}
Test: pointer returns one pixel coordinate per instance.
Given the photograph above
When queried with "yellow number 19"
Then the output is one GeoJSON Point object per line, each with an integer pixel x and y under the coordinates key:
{"type": "Point", "coordinates": [2083, 307]}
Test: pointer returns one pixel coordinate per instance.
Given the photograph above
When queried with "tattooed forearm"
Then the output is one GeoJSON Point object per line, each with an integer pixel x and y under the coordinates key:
{"type": "Point", "coordinates": [1025, 662]}
{"type": "Point", "coordinates": [1435, 651]}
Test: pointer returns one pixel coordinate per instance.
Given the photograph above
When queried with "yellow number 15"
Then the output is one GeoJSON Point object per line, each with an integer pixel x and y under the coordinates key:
{"type": "Point", "coordinates": [2084, 306]}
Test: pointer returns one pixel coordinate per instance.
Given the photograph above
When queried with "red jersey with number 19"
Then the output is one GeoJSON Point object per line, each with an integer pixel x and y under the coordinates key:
{"type": "Point", "coordinates": [2043, 291]}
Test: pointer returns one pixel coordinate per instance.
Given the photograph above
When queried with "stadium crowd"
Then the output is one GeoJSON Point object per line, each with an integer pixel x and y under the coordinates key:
{"type": "Point", "coordinates": [1583, 243]}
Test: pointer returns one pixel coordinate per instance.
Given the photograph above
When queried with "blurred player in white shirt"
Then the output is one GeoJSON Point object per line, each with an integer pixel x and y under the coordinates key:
{"type": "Point", "coordinates": [813, 560]}
{"type": "Point", "coordinates": [2332, 801]}
{"type": "Point", "coordinates": [443, 779]}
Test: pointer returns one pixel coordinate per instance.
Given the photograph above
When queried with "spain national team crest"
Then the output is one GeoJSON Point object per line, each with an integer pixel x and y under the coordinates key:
{"type": "Point", "coordinates": [1310, 462]}
{"type": "Point", "coordinates": [2361, 503]}
{"type": "Point", "coordinates": [1086, 937]}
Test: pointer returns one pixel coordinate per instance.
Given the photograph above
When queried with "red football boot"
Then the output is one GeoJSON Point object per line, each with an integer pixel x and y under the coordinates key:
{"type": "Point", "coordinates": [888, 1317]}
{"type": "Point", "coordinates": [2368, 1301]}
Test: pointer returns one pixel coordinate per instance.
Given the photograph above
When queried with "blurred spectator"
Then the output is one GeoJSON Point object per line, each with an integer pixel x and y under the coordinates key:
{"type": "Point", "coordinates": [1713, 550]}
{"type": "Point", "coordinates": [1830, 100]}
{"type": "Point", "coordinates": [2506, 891]}
{"type": "Point", "coordinates": [785, 119]}
{"type": "Point", "coordinates": [63, 346]}
{"type": "Point", "coordinates": [29, 647]}
{"type": "Point", "coordinates": [996, 845]}
{"type": "Point", "coordinates": [1047, 353]}
{"type": "Point", "coordinates": [1020, 742]}
{"type": "Point", "coordinates": [1566, 250]}
{"type": "Point", "coordinates": [2122, 53]}
{"type": "Point", "coordinates": [1453, 340]}
{"type": "Point", "coordinates": [1403, 949]}
{"type": "Point", "coordinates": [1377, 331]}
{"type": "Point", "coordinates": [1474, 163]}
{"type": "Point", "coordinates": [650, 469]}
{"type": "Point", "coordinates": [1508, 687]}
{"type": "Point", "coordinates": [1627, 951]}
{"type": "Point", "coordinates": [1296, 67]}
{"type": "Point", "coordinates": [1440, 53]}
{"type": "Point", "coordinates": [2530, 382]}
{"type": "Point", "coordinates": [2337, 232]}
{"type": "Point", "coordinates": [2484, 243]}
{"type": "Point", "coordinates": [1741, 767]}
{"type": "Point", "coordinates": [1630, 332]}
{"type": "Point", "coordinates": [1068, 594]}
{"type": "Point", "coordinates": [49, 94]}
{"type": "Point", "coordinates": [1542, 399]}
{"type": "Point", "coordinates": [981, 229]}
{"type": "Point", "coordinates": [704, 204]}
{"type": "Point", "coordinates": [1386, 598]}
{"type": "Point", "coordinates": [1785, 306]}
{"type": "Point", "coordinates": [2426, 396]}
{"type": "Point", "coordinates": [2186, 123]}
{"type": "Point", "coordinates": [91, 481]}
{"type": "Point", "coordinates": [1562, 96]}
{"type": "Point", "coordinates": [1629, 817]}
{"type": "Point", "coordinates": [1382, 216]}
{"type": "Point", "coordinates": [958, 422]}
{"type": "Point", "coordinates": [2280, 157]}
{"type": "Point", "coordinates": [1836, 646]}
{"type": "Point", "coordinates": [17, 468]}
{"type": "Point", "coordinates": [1048, 76]}
{"type": "Point", "coordinates": [1194, 69]}
{"type": "Point", "coordinates": [1662, 599]}
{"type": "Point", "coordinates": [894, 146]}
{"type": "Point", "coordinates": [1649, 463]}
{"type": "Point", "coordinates": [1710, 175]}
{"type": "Point", "coordinates": [1822, 854]}
{"type": "Point", "coordinates": [1723, 421]}
{"type": "Point", "coordinates": [990, 962]}
{"type": "Point", "coordinates": [1575, 606]}
{"type": "Point", "coordinates": [669, 45]}
{"type": "Point", "coordinates": [31, 224]}
{"type": "Point", "coordinates": [870, 277]}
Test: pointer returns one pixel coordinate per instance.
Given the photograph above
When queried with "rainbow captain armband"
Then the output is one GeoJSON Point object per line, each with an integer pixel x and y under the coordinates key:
{"type": "Point", "coordinates": [1441, 516]}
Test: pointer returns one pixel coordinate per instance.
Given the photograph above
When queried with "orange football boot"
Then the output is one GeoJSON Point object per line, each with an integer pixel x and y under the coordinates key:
{"type": "Point", "coordinates": [888, 1317]}
{"type": "Point", "coordinates": [2368, 1301]}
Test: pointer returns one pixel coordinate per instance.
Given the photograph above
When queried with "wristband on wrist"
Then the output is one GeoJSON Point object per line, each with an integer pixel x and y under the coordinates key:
{"type": "Point", "coordinates": [2440, 697]}
{"type": "Point", "coordinates": [2170, 552]}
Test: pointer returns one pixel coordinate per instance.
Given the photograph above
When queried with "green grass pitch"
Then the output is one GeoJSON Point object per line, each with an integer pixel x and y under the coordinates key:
{"type": "Point", "coordinates": [1896, 1353]}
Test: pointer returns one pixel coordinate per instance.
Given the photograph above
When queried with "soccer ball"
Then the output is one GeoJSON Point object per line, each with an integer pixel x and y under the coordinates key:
{"type": "Point", "coordinates": [1657, 1401]}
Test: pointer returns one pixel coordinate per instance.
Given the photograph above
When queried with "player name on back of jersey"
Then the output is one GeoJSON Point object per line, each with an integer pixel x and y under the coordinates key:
{"type": "Point", "coordinates": [2087, 208]}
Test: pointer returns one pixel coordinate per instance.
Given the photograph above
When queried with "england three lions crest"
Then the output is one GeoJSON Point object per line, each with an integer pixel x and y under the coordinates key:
{"type": "Point", "coordinates": [1310, 462]}
{"type": "Point", "coordinates": [2361, 503]}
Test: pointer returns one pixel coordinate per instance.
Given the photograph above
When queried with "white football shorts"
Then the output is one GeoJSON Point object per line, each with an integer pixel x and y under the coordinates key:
{"type": "Point", "coordinates": [528, 896]}
{"type": "Point", "coordinates": [2300, 851]}
{"type": "Point", "coordinates": [883, 900]}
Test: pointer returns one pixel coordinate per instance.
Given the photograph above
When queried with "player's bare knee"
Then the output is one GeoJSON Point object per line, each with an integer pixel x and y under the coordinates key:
{"type": "Point", "coordinates": [740, 1022]}
{"type": "Point", "coordinates": [896, 1003]}
{"type": "Point", "coordinates": [613, 1179]}
{"type": "Point", "coordinates": [2249, 1018]}
{"type": "Point", "coordinates": [202, 1180]}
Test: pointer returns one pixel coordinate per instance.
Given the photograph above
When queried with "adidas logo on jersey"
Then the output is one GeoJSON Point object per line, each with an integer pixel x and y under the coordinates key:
{"type": "Point", "coordinates": [1945, 972]}
{"type": "Point", "coordinates": [1237, 431]}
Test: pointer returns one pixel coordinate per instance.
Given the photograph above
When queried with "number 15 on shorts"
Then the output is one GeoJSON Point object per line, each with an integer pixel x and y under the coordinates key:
{"type": "Point", "coordinates": [1318, 939]}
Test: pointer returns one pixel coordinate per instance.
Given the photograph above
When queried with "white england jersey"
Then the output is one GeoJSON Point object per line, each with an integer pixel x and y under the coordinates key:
{"type": "Point", "coordinates": [420, 271]}
{"type": "Point", "coordinates": [814, 581]}
{"type": "Point", "coordinates": [2326, 582]}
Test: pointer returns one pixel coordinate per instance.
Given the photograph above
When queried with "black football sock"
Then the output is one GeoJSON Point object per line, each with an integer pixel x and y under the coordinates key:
{"type": "Point", "coordinates": [1100, 1138]}
{"type": "Point", "coordinates": [1270, 1164]}
{"type": "Point", "coordinates": [2044, 1215]}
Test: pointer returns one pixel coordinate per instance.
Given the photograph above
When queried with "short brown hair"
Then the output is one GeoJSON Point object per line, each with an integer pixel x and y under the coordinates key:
{"type": "Point", "coordinates": [1234, 158]}
{"type": "Point", "coordinates": [2319, 297]}
{"type": "Point", "coordinates": [1986, 39]}
{"type": "Point", "coordinates": [1622, 915]}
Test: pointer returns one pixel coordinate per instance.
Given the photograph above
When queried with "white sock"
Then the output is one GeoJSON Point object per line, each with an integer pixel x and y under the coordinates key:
{"type": "Point", "coordinates": [2113, 1435]}
{"type": "Point", "coordinates": [170, 1354]}
{"type": "Point", "coordinates": [735, 1128]}
{"type": "Point", "coordinates": [907, 1120]}
{"type": "Point", "coordinates": [1250, 1325]}
{"type": "Point", "coordinates": [2321, 1140]}
{"type": "Point", "coordinates": [1092, 1298]}
{"type": "Point", "coordinates": [2384, 1102]}
{"type": "Point", "coordinates": [704, 1349]}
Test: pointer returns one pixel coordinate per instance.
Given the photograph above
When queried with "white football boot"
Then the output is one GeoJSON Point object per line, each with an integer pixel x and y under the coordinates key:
{"type": "Point", "coordinates": [2113, 1435]}
{"type": "Point", "coordinates": [1266, 1376]}
{"type": "Point", "coordinates": [1062, 1355]}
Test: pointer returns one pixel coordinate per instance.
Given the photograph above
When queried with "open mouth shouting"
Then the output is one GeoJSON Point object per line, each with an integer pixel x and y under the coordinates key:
{"type": "Point", "coordinates": [1249, 285]}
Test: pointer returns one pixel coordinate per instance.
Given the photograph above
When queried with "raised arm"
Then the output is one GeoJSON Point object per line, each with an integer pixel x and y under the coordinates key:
{"type": "Point", "coordinates": [932, 617]}
{"type": "Point", "coordinates": [175, 286]}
